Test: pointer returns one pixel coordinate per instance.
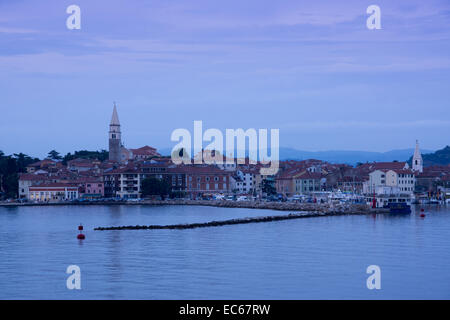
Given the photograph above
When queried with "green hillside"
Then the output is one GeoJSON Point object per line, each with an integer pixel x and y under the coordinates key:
{"type": "Point", "coordinates": [440, 157]}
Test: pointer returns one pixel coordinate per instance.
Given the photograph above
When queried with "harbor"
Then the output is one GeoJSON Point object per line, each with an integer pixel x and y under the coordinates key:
{"type": "Point", "coordinates": [329, 253]}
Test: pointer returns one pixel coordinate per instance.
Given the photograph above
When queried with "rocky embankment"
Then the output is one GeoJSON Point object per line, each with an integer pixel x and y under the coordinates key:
{"type": "Point", "coordinates": [326, 208]}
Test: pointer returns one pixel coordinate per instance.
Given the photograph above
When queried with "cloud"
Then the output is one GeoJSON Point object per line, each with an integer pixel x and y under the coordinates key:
{"type": "Point", "coordinates": [16, 30]}
{"type": "Point", "coordinates": [323, 125]}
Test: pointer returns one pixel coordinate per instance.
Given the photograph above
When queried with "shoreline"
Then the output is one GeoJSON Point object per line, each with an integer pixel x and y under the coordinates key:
{"type": "Point", "coordinates": [324, 208]}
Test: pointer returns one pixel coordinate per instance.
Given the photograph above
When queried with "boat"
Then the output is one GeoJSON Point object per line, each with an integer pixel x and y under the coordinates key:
{"type": "Point", "coordinates": [399, 208]}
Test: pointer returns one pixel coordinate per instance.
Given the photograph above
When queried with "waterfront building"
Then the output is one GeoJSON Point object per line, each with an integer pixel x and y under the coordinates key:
{"type": "Point", "coordinates": [307, 182]}
{"type": "Point", "coordinates": [352, 184]}
{"type": "Point", "coordinates": [432, 178]}
{"type": "Point", "coordinates": [245, 180]}
{"type": "Point", "coordinates": [53, 192]}
{"type": "Point", "coordinates": [126, 182]}
{"type": "Point", "coordinates": [204, 179]}
{"type": "Point", "coordinates": [396, 181]}
{"type": "Point", "coordinates": [91, 188]}
{"type": "Point", "coordinates": [300, 180]}
{"type": "Point", "coordinates": [284, 182]}
{"type": "Point", "coordinates": [26, 180]}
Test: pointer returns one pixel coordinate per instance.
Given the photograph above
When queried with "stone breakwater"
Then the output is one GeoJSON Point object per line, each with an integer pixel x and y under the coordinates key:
{"type": "Point", "coordinates": [219, 223]}
{"type": "Point", "coordinates": [308, 211]}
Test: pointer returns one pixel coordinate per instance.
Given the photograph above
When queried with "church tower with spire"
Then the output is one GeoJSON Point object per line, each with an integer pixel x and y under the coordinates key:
{"type": "Point", "coordinates": [417, 161]}
{"type": "Point", "coordinates": [115, 143]}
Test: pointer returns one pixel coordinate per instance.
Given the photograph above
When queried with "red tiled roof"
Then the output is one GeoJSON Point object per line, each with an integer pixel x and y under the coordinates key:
{"type": "Point", "coordinates": [33, 177]}
{"type": "Point", "coordinates": [145, 151]}
{"type": "Point", "coordinates": [308, 175]}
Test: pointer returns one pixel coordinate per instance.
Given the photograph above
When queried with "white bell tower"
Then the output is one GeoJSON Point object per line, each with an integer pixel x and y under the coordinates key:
{"type": "Point", "coordinates": [417, 161]}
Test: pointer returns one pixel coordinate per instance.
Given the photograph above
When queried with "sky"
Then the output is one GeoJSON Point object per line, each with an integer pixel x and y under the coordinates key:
{"type": "Point", "coordinates": [311, 69]}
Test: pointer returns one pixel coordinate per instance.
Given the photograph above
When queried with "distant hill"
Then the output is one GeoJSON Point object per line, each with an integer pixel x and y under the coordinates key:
{"type": "Point", "coordinates": [349, 157]}
{"type": "Point", "coordinates": [440, 157]}
{"type": "Point", "coordinates": [340, 156]}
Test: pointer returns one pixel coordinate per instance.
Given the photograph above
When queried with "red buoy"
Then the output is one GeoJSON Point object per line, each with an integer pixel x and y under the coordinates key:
{"type": "Point", "coordinates": [422, 209]}
{"type": "Point", "coordinates": [80, 236]}
{"type": "Point", "coordinates": [422, 215]}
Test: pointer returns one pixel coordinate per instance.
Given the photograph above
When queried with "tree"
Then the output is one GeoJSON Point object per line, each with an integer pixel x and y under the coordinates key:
{"type": "Point", "coordinates": [23, 161]}
{"type": "Point", "coordinates": [101, 155]}
{"type": "Point", "coordinates": [54, 155]}
{"type": "Point", "coordinates": [268, 187]}
{"type": "Point", "coordinates": [155, 187]}
{"type": "Point", "coordinates": [10, 167]}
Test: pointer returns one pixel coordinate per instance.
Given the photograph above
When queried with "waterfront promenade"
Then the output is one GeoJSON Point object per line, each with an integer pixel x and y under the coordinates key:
{"type": "Point", "coordinates": [318, 208]}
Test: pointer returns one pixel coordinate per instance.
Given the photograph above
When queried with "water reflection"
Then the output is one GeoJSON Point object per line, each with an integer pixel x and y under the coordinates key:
{"type": "Point", "coordinates": [320, 258]}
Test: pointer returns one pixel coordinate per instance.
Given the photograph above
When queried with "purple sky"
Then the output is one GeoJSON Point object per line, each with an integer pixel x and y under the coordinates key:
{"type": "Point", "coordinates": [309, 68]}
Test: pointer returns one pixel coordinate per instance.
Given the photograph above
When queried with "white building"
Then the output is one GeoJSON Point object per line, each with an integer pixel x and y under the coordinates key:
{"type": "Point", "coordinates": [53, 192]}
{"type": "Point", "coordinates": [390, 181]}
{"type": "Point", "coordinates": [245, 181]}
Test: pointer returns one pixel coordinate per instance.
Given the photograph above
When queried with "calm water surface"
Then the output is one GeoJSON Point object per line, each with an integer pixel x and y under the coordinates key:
{"type": "Point", "coordinates": [314, 258]}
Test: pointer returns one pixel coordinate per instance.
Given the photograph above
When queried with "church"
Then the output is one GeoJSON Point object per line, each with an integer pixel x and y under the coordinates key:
{"type": "Point", "coordinates": [118, 152]}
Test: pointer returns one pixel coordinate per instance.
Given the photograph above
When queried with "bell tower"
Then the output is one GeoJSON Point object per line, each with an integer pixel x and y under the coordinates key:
{"type": "Point", "coordinates": [417, 161]}
{"type": "Point", "coordinates": [114, 137]}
